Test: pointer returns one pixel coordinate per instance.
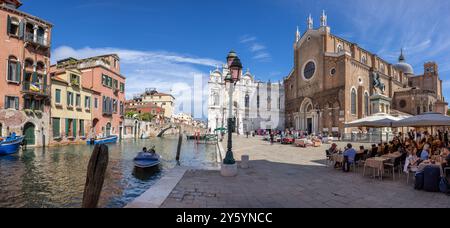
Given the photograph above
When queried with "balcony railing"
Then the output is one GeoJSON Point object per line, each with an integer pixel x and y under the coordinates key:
{"type": "Point", "coordinates": [36, 89]}
{"type": "Point", "coordinates": [39, 39]}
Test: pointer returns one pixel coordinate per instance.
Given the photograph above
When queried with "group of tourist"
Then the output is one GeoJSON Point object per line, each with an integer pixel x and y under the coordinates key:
{"type": "Point", "coordinates": [287, 136]}
{"type": "Point", "coordinates": [414, 148]}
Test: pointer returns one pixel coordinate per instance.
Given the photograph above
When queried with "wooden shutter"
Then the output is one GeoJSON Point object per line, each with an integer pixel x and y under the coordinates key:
{"type": "Point", "coordinates": [81, 127]}
{"type": "Point", "coordinates": [67, 127]}
{"type": "Point", "coordinates": [16, 101]}
{"type": "Point", "coordinates": [8, 25]}
{"type": "Point", "coordinates": [74, 122]}
{"type": "Point", "coordinates": [8, 69]}
{"type": "Point", "coordinates": [21, 29]}
{"type": "Point", "coordinates": [18, 73]}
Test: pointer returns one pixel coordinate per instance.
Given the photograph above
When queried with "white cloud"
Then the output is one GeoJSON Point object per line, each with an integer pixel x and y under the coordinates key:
{"type": "Point", "coordinates": [258, 50]}
{"type": "Point", "coordinates": [165, 71]}
{"type": "Point", "coordinates": [246, 39]}
{"type": "Point", "coordinates": [257, 47]}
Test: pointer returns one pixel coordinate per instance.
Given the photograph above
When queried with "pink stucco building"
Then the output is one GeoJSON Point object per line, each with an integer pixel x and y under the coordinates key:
{"type": "Point", "coordinates": [101, 75]}
{"type": "Point", "coordinates": [24, 63]}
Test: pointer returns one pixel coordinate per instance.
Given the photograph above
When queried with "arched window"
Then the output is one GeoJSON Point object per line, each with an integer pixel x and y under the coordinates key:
{"type": "Point", "coordinates": [382, 68]}
{"type": "Point", "coordinates": [418, 110]}
{"type": "Point", "coordinates": [431, 108]}
{"type": "Point", "coordinates": [14, 69]}
{"type": "Point", "coordinates": [40, 67]}
{"type": "Point", "coordinates": [353, 102]}
{"type": "Point", "coordinates": [247, 101]}
{"type": "Point", "coordinates": [215, 99]}
{"type": "Point", "coordinates": [29, 64]}
{"type": "Point", "coordinates": [425, 109]}
{"type": "Point", "coordinates": [366, 104]}
{"type": "Point", "coordinates": [364, 59]}
{"type": "Point", "coordinates": [340, 48]}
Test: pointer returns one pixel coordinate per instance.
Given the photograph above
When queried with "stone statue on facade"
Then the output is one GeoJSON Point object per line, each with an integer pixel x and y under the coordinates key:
{"type": "Point", "coordinates": [377, 84]}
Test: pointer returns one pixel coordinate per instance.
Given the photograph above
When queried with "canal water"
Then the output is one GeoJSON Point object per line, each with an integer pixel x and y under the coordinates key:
{"type": "Point", "coordinates": [55, 177]}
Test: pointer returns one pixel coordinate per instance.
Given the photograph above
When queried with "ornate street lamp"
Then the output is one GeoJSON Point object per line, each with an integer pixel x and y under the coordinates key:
{"type": "Point", "coordinates": [235, 66]}
{"type": "Point", "coordinates": [229, 166]}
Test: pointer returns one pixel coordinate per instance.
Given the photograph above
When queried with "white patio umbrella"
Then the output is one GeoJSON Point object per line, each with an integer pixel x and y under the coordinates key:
{"type": "Point", "coordinates": [425, 120]}
{"type": "Point", "coordinates": [380, 120]}
{"type": "Point", "coordinates": [375, 121]}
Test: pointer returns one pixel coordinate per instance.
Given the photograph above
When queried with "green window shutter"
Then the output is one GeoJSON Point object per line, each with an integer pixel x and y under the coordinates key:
{"type": "Point", "coordinates": [16, 101]}
{"type": "Point", "coordinates": [21, 30]}
{"type": "Point", "coordinates": [34, 77]}
{"type": "Point", "coordinates": [67, 127]}
{"type": "Point", "coordinates": [56, 127]}
{"type": "Point", "coordinates": [8, 25]}
{"type": "Point", "coordinates": [8, 71]}
{"type": "Point", "coordinates": [68, 99]}
{"type": "Point", "coordinates": [74, 128]}
{"type": "Point", "coordinates": [18, 73]}
{"type": "Point", "coordinates": [82, 128]}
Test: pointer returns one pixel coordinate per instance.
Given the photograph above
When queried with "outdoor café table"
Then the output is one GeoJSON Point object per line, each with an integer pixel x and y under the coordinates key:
{"type": "Point", "coordinates": [392, 156]}
{"type": "Point", "coordinates": [376, 163]}
{"type": "Point", "coordinates": [425, 164]}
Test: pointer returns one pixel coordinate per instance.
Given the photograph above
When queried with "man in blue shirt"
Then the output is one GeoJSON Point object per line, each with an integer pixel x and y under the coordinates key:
{"type": "Point", "coordinates": [425, 155]}
{"type": "Point", "coordinates": [350, 153]}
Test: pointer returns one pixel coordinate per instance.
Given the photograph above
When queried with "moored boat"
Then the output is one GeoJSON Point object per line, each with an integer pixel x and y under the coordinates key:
{"type": "Point", "coordinates": [107, 140]}
{"type": "Point", "coordinates": [11, 144]}
{"type": "Point", "coordinates": [147, 160]}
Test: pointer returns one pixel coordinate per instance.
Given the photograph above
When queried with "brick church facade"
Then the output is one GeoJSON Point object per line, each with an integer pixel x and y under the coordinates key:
{"type": "Point", "coordinates": [335, 81]}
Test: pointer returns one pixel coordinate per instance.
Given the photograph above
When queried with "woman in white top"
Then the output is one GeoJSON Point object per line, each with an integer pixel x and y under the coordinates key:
{"type": "Point", "coordinates": [411, 160]}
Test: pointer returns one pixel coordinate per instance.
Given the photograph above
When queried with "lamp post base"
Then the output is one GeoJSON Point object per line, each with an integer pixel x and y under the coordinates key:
{"type": "Point", "coordinates": [229, 170]}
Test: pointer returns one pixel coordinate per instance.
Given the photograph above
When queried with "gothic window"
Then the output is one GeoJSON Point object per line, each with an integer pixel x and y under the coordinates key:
{"type": "Point", "coordinates": [382, 68]}
{"type": "Point", "coordinates": [310, 70]}
{"type": "Point", "coordinates": [40, 67]}
{"type": "Point", "coordinates": [431, 108]}
{"type": "Point", "coordinates": [366, 104]}
{"type": "Point", "coordinates": [418, 110]}
{"type": "Point", "coordinates": [247, 101]}
{"type": "Point", "coordinates": [215, 99]}
{"type": "Point", "coordinates": [364, 59]}
{"type": "Point", "coordinates": [353, 102]}
{"type": "Point", "coordinates": [340, 48]}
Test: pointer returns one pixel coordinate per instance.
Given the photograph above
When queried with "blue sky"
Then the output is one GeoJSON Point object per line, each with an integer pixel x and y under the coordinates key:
{"type": "Point", "coordinates": [164, 43]}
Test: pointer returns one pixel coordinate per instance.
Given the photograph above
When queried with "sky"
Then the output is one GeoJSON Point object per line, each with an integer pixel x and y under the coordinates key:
{"type": "Point", "coordinates": [166, 44]}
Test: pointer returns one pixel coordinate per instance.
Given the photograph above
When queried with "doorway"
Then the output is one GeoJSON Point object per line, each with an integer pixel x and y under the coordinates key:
{"type": "Point", "coordinates": [309, 125]}
{"type": "Point", "coordinates": [108, 130]}
{"type": "Point", "coordinates": [29, 133]}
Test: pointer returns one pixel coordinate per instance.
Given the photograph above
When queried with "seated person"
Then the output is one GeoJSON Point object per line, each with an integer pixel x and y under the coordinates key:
{"type": "Point", "coordinates": [412, 160]}
{"type": "Point", "coordinates": [386, 149]}
{"type": "Point", "coordinates": [374, 151]}
{"type": "Point", "coordinates": [350, 153]}
{"type": "Point", "coordinates": [425, 155]}
{"type": "Point", "coordinates": [332, 150]}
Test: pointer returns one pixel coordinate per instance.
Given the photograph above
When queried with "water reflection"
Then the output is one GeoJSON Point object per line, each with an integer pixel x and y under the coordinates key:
{"type": "Point", "coordinates": [55, 177]}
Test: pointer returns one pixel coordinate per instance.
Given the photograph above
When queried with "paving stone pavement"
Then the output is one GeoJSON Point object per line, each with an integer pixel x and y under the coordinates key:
{"type": "Point", "coordinates": [283, 176]}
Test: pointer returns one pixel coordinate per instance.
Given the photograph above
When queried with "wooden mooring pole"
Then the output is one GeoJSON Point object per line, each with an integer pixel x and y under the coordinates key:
{"type": "Point", "coordinates": [180, 142]}
{"type": "Point", "coordinates": [95, 176]}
